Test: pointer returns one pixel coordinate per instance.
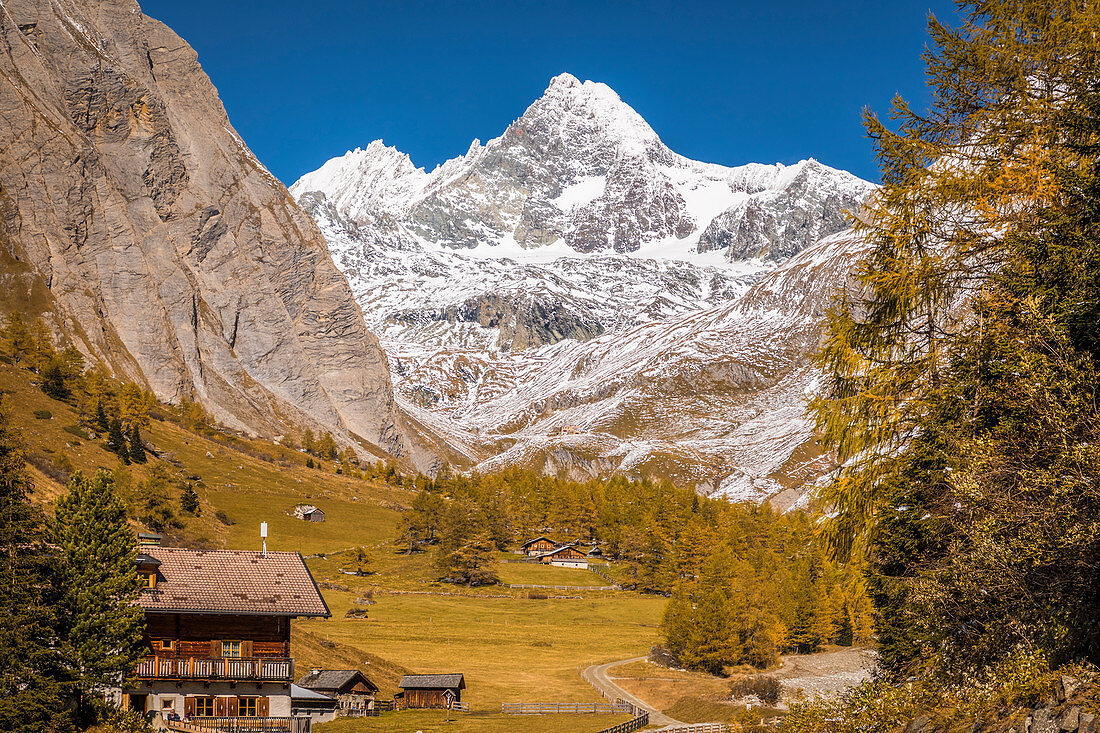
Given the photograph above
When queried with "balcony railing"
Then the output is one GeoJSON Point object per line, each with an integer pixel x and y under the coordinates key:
{"type": "Point", "coordinates": [242, 725]}
{"type": "Point", "coordinates": [212, 668]}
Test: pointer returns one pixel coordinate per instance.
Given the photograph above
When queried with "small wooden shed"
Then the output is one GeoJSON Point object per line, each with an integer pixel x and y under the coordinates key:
{"type": "Point", "coordinates": [566, 556]}
{"type": "Point", "coordinates": [438, 691]}
{"type": "Point", "coordinates": [309, 513]}
{"type": "Point", "coordinates": [538, 546]}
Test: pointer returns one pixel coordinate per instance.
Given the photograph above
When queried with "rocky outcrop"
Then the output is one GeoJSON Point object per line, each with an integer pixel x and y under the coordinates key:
{"type": "Point", "coordinates": [780, 224]}
{"type": "Point", "coordinates": [135, 219]}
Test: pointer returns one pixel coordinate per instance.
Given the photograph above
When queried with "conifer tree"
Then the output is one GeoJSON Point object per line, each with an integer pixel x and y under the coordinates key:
{"type": "Point", "coordinates": [116, 441]}
{"type": "Point", "coordinates": [189, 501]}
{"type": "Point", "coordinates": [137, 449]}
{"type": "Point", "coordinates": [31, 693]}
{"type": "Point", "coordinates": [101, 420]}
{"type": "Point", "coordinates": [101, 627]}
{"type": "Point", "coordinates": [963, 371]}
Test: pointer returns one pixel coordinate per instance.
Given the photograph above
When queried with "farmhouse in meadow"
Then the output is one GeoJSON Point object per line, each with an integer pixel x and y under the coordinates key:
{"type": "Point", "coordinates": [218, 637]}
{"type": "Point", "coordinates": [430, 691]}
{"type": "Point", "coordinates": [537, 546]}
{"type": "Point", "coordinates": [566, 556]}
{"type": "Point", "coordinates": [354, 691]}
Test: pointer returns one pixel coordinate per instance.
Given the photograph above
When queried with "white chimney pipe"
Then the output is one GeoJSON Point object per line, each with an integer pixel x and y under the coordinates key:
{"type": "Point", "coordinates": [263, 536]}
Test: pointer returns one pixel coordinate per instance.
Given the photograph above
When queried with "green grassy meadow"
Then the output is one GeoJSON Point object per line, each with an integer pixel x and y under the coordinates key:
{"type": "Point", "coordinates": [513, 645]}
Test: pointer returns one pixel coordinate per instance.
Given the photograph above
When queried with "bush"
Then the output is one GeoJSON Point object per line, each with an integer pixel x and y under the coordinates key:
{"type": "Point", "coordinates": [763, 686]}
{"type": "Point", "coordinates": [77, 431]}
{"type": "Point", "coordinates": [43, 415]}
{"type": "Point", "coordinates": [224, 518]}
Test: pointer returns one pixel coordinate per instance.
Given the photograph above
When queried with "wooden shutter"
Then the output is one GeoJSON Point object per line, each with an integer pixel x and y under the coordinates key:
{"type": "Point", "coordinates": [220, 707]}
{"type": "Point", "coordinates": [246, 649]}
{"type": "Point", "coordinates": [231, 707]}
{"type": "Point", "coordinates": [215, 648]}
{"type": "Point", "coordinates": [189, 706]}
{"type": "Point", "coordinates": [262, 707]}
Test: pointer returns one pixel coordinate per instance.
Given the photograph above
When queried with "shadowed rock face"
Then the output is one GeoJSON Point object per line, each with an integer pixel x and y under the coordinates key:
{"type": "Point", "coordinates": [162, 246]}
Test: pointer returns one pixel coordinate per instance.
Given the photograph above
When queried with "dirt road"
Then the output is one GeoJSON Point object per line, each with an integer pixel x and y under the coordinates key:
{"type": "Point", "coordinates": [597, 676]}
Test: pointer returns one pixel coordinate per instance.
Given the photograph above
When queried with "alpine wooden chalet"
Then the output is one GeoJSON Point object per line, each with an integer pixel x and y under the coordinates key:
{"type": "Point", "coordinates": [218, 633]}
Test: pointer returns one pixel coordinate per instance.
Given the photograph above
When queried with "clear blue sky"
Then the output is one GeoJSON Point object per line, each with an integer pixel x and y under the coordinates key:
{"type": "Point", "coordinates": [724, 82]}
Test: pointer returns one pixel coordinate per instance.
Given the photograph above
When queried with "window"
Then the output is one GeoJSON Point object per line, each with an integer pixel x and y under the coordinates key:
{"type": "Point", "coordinates": [165, 644]}
{"type": "Point", "coordinates": [231, 649]}
{"type": "Point", "coordinates": [204, 706]}
{"type": "Point", "coordinates": [247, 706]}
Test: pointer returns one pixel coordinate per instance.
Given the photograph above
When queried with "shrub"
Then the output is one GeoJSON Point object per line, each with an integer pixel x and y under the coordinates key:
{"type": "Point", "coordinates": [763, 686]}
{"type": "Point", "coordinates": [43, 415]}
{"type": "Point", "coordinates": [224, 518]}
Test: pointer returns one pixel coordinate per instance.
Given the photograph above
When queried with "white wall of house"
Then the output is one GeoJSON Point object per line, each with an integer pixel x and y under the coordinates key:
{"type": "Point", "coordinates": [161, 693]}
{"type": "Point", "coordinates": [570, 563]}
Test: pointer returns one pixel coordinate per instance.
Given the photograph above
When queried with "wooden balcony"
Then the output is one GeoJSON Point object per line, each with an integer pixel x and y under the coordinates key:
{"type": "Point", "coordinates": [242, 725]}
{"type": "Point", "coordinates": [262, 669]}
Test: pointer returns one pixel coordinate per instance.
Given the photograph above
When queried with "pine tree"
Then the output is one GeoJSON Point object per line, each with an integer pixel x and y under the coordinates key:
{"type": "Point", "coordinates": [31, 693]}
{"type": "Point", "coordinates": [101, 627]}
{"type": "Point", "coordinates": [101, 420]}
{"type": "Point", "coordinates": [116, 441]}
{"type": "Point", "coordinates": [53, 380]}
{"type": "Point", "coordinates": [189, 501]}
{"type": "Point", "coordinates": [137, 449]}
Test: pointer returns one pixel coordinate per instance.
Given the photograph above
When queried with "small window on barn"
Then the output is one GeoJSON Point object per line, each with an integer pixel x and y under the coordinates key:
{"type": "Point", "coordinates": [231, 649]}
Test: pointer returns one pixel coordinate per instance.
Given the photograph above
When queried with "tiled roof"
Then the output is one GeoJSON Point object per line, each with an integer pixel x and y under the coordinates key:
{"type": "Point", "coordinates": [232, 582]}
{"type": "Point", "coordinates": [432, 682]}
{"type": "Point", "coordinates": [556, 550]}
{"type": "Point", "coordinates": [333, 679]}
{"type": "Point", "coordinates": [531, 542]}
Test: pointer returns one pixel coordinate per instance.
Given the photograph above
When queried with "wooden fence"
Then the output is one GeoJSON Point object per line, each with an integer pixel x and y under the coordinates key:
{"type": "Point", "coordinates": [565, 587]}
{"type": "Point", "coordinates": [555, 708]}
{"type": "Point", "coordinates": [695, 728]}
{"type": "Point", "coordinates": [243, 725]}
{"type": "Point", "coordinates": [641, 720]}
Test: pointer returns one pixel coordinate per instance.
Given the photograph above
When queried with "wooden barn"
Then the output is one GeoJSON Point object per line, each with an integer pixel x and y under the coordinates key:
{"type": "Point", "coordinates": [440, 691]}
{"type": "Point", "coordinates": [309, 513]}
{"type": "Point", "coordinates": [566, 556]}
{"type": "Point", "coordinates": [350, 687]}
{"type": "Point", "coordinates": [538, 546]}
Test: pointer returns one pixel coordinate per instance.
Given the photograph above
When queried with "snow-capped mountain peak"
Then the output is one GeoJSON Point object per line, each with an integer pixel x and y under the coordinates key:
{"type": "Point", "coordinates": [364, 183]}
{"type": "Point", "coordinates": [575, 272]}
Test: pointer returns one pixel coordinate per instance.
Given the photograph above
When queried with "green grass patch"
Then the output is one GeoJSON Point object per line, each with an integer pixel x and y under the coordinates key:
{"type": "Point", "coordinates": [538, 574]}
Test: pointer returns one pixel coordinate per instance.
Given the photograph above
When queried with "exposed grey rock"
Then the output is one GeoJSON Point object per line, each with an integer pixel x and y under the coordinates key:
{"type": "Point", "coordinates": [159, 243]}
{"type": "Point", "coordinates": [1070, 719]}
{"type": "Point", "coordinates": [1042, 721]}
{"type": "Point", "coordinates": [1065, 687]}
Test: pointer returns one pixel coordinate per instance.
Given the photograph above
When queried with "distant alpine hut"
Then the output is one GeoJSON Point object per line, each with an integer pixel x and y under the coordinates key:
{"type": "Point", "coordinates": [566, 556]}
{"type": "Point", "coordinates": [438, 691]}
{"type": "Point", "coordinates": [309, 513]}
{"type": "Point", "coordinates": [537, 546]}
{"type": "Point", "coordinates": [354, 691]}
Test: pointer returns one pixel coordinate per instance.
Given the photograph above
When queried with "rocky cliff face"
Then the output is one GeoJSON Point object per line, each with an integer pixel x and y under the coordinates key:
{"type": "Point", "coordinates": [135, 218]}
